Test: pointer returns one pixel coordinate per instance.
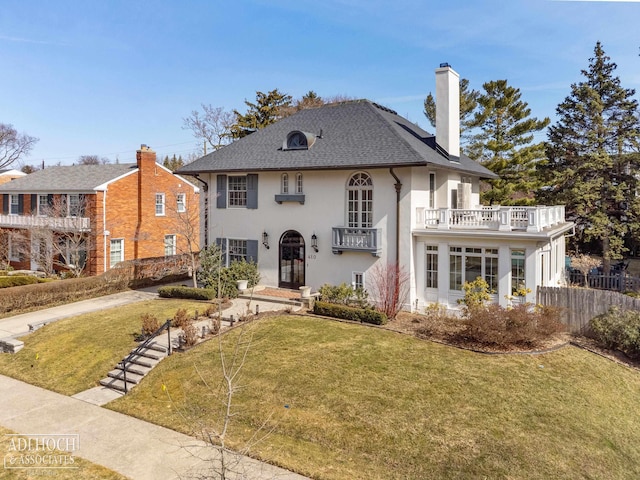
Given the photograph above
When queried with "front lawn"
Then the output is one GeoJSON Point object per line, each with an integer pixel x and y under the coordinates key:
{"type": "Point", "coordinates": [346, 401]}
{"type": "Point", "coordinates": [74, 354]}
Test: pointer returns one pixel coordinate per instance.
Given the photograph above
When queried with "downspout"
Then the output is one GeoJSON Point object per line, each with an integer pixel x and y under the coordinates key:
{"type": "Point", "coordinates": [104, 230]}
{"type": "Point", "coordinates": [205, 203]}
{"type": "Point", "coordinates": [398, 186]}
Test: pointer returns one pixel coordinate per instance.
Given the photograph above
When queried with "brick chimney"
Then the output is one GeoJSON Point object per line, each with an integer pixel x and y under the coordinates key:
{"type": "Point", "coordinates": [448, 110]}
{"type": "Point", "coordinates": [146, 159]}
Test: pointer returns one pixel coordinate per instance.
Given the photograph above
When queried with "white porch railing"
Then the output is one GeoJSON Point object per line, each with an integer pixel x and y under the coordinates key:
{"type": "Point", "coordinates": [54, 223]}
{"type": "Point", "coordinates": [530, 219]}
{"type": "Point", "coordinates": [357, 239]}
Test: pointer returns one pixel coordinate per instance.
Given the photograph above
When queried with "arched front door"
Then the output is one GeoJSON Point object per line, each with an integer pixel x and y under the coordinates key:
{"type": "Point", "coordinates": [292, 258]}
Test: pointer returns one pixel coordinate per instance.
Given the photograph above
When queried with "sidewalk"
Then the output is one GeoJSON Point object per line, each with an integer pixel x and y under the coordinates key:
{"type": "Point", "coordinates": [132, 447]}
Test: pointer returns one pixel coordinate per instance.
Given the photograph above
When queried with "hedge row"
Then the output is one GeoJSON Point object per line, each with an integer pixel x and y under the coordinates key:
{"type": "Point", "coordinates": [29, 297]}
{"type": "Point", "coordinates": [17, 280]}
{"type": "Point", "coordinates": [350, 313]}
{"type": "Point", "coordinates": [187, 292]}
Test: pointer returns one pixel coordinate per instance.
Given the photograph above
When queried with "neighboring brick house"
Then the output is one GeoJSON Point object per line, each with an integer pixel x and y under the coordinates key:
{"type": "Point", "coordinates": [8, 174]}
{"type": "Point", "coordinates": [334, 194]}
{"type": "Point", "coordinates": [122, 212]}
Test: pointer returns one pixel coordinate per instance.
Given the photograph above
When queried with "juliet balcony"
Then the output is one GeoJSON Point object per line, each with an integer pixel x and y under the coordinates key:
{"type": "Point", "coordinates": [506, 219]}
{"type": "Point", "coordinates": [345, 239]}
{"type": "Point", "coordinates": [54, 223]}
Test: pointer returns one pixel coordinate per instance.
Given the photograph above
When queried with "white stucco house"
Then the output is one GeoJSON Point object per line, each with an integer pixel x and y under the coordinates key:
{"type": "Point", "coordinates": [324, 195]}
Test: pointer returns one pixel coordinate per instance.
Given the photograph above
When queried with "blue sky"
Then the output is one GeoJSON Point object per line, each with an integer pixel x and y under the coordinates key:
{"type": "Point", "coordinates": [102, 77]}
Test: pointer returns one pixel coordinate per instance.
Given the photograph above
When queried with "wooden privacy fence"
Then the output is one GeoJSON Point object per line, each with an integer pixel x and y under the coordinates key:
{"type": "Point", "coordinates": [579, 305]}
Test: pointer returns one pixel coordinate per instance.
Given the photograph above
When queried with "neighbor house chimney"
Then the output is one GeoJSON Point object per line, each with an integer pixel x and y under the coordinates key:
{"type": "Point", "coordinates": [448, 110]}
{"type": "Point", "coordinates": [146, 158]}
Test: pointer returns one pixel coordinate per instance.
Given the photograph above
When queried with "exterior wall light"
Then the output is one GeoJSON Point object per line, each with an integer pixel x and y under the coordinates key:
{"type": "Point", "coordinates": [314, 242]}
{"type": "Point", "coordinates": [265, 240]}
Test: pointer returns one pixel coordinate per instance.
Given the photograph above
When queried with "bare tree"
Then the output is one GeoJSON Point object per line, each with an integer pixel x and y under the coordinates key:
{"type": "Point", "coordinates": [212, 125]}
{"type": "Point", "coordinates": [93, 160]}
{"type": "Point", "coordinates": [5, 248]}
{"type": "Point", "coordinates": [36, 245]}
{"type": "Point", "coordinates": [389, 288]}
{"type": "Point", "coordinates": [13, 145]}
{"type": "Point", "coordinates": [186, 221]}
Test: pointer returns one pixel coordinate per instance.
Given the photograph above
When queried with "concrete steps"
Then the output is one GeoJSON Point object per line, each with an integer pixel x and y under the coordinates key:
{"type": "Point", "coordinates": [136, 368]}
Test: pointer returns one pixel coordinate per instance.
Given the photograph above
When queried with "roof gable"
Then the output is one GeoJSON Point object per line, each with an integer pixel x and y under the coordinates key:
{"type": "Point", "coordinates": [74, 178]}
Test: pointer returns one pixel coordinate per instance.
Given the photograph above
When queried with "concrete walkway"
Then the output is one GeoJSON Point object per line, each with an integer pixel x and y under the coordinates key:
{"type": "Point", "coordinates": [18, 325]}
{"type": "Point", "coordinates": [132, 447]}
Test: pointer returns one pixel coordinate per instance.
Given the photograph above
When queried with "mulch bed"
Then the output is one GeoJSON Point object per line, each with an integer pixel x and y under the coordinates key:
{"type": "Point", "coordinates": [445, 332]}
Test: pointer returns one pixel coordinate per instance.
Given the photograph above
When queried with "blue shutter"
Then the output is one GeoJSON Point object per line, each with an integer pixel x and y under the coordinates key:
{"type": "Point", "coordinates": [50, 200]}
{"type": "Point", "coordinates": [34, 203]}
{"type": "Point", "coordinates": [221, 201]}
{"type": "Point", "coordinates": [21, 204]}
{"type": "Point", "coordinates": [252, 251]}
{"type": "Point", "coordinates": [5, 204]}
{"type": "Point", "coordinates": [81, 205]}
{"type": "Point", "coordinates": [252, 190]}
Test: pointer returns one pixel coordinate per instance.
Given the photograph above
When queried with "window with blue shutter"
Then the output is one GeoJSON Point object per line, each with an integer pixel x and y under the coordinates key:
{"type": "Point", "coordinates": [252, 190]}
{"type": "Point", "coordinates": [221, 201]}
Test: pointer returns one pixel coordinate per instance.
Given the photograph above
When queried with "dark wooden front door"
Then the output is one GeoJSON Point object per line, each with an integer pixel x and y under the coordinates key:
{"type": "Point", "coordinates": [292, 258]}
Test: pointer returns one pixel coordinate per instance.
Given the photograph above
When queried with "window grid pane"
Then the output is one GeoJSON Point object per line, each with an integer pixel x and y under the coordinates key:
{"type": "Point", "coordinates": [159, 204]}
{"type": "Point", "coordinates": [15, 205]}
{"type": "Point", "coordinates": [237, 191]}
{"type": "Point", "coordinates": [285, 183]}
{"type": "Point", "coordinates": [432, 267]}
{"type": "Point", "coordinates": [116, 252]}
{"type": "Point", "coordinates": [299, 183]}
{"type": "Point", "coordinates": [43, 204]}
{"type": "Point", "coordinates": [237, 250]}
{"type": "Point", "coordinates": [181, 202]}
{"type": "Point", "coordinates": [169, 245]}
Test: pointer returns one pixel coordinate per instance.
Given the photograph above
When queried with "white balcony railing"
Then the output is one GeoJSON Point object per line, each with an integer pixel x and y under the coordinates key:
{"type": "Point", "coordinates": [529, 219]}
{"type": "Point", "coordinates": [357, 239]}
{"type": "Point", "coordinates": [54, 223]}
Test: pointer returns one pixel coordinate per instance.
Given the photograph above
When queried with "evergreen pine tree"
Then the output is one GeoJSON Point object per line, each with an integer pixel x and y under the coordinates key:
{"type": "Point", "coordinates": [591, 165]}
{"type": "Point", "coordinates": [504, 144]}
{"type": "Point", "coordinates": [268, 109]}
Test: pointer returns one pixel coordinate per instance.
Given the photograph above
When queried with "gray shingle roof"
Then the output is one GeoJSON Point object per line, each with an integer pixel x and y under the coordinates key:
{"type": "Point", "coordinates": [355, 134]}
{"type": "Point", "coordinates": [75, 178]}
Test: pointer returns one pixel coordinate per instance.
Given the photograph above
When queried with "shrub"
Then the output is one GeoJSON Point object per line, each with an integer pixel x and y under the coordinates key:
{"type": "Point", "coordinates": [180, 319]}
{"type": "Point", "coordinates": [476, 293]}
{"type": "Point", "coordinates": [522, 325]}
{"type": "Point", "coordinates": [340, 294]}
{"type": "Point", "coordinates": [366, 315]}
{"type": "Point", "coordinates": [17, 280]}
{"type": "Point", "coordinates": [619, 330]}
{"type": "Point", "coordinates": [150, 324]}
{"type": "Point", "coordinates": [190, 333]}
{"type": "Point", "coordinates": [187, 292]}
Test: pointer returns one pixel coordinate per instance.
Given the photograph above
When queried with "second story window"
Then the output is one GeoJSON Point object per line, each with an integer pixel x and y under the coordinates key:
{"type": "Point", "coordinates": [284, 184]}
{"type": "Point", "coordinates": [298, 183]}
{"type": "Point", "coordinates": [360, 201]}
{"type": "Point", "coordinates": [14, 204]}
{"type": "Point", "coordinates": [238, 191]}
{"type": "Point", "coordinates": [74, 205]}
{"type": "Point", "coordinates": [43, 205]}
{"type": "Point", "coordinates": [159, 204]}
{"type": "Point", "coordinates": [181, 202]}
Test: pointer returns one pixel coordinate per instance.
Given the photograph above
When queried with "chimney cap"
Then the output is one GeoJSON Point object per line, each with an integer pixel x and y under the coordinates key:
{"type": "Point", "coordinates": [444, 65]}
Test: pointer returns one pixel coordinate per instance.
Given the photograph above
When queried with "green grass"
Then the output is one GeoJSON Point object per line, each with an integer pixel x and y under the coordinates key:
{"type": "Point", "coordinates": [74, 354]}
{"type": "Point", "coordinates": [85, 470]}
{"type": "Point", "coordinates": [366, 403]}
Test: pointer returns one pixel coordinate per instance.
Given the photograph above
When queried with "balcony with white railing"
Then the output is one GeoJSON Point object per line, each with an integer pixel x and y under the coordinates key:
{"type": "Point", "coordinates": [54, 223]}
{"type": "Point", "coordinates": [504, 219]}
{"type": "Point", "coordinates": [345, 239]}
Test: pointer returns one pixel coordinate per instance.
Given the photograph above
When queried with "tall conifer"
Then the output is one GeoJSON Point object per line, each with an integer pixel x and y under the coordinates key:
{"type": "Point", "coordinates": [593, 161]}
